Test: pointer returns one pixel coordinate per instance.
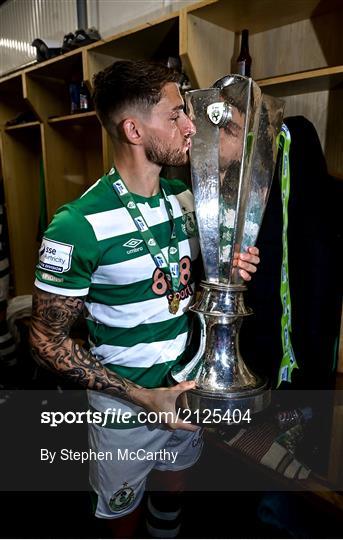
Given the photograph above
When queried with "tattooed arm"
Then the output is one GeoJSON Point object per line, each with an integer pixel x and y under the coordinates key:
{"type": "Point", "coordinates": [53, 348]}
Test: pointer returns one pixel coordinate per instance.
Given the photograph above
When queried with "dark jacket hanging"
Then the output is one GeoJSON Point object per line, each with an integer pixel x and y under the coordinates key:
{"type": "Point", "coordinates": [314, 244]}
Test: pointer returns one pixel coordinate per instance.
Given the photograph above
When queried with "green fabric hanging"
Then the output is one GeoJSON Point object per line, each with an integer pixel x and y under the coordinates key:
{"type": "Point", "coordinates": [288, 362]}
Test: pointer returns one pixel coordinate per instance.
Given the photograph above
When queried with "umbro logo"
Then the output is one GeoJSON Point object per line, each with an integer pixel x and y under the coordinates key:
{"type": "Point", "coordinates": [132, 243]}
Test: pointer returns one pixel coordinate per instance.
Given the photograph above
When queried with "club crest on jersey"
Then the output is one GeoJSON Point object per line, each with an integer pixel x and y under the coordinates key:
{"type": "Point", "coordinates": [122, 498]}
{"type": "Point", "coordinates": [119, 187]}
{"type": "Point", "coordinates": [188, 225]}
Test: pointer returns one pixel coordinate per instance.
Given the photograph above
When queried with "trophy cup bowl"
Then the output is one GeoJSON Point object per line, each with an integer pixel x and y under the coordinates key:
{"type": "Point", "coordinates": [232, 160]}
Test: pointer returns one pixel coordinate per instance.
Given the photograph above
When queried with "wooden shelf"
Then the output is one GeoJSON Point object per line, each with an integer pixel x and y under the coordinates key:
{"type": "Point", "coordinates": [21, 161]}
{"type": "Point", "coordinates": [45, 87]}
{"type": "Point", "coordinates": [79, 117]}
{"type": "Point", "coordinates": [23, 126]}
{"type": "Point", "coordinates": [303, 82]}
{"type": "Point", "coordinates": [296, 54]}
{"type": "Point", "coordinates": [12, 100]}
{"type": "Point", "coordinates": [284, 39]}
{"type": "Point", "coordinates": [261, 15]}
{"type": "Point", "coordinates": [58, 66]}
{"type": "Point", "coordinates": [157, 26]}
{"type": "Point", "coordinates": [10, 78]}
{"type": "Point", "coordinates": [155, 40]}
{"type": "Point", "coordinates": [73, 158]}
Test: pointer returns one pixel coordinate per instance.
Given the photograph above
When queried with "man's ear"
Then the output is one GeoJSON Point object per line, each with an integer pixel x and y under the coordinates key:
{"type": "Point", "coordinates": [132, 130]}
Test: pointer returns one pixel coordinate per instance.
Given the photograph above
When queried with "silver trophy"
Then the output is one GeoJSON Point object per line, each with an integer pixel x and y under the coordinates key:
{"type": "Point", "coordinates": [233, 158]}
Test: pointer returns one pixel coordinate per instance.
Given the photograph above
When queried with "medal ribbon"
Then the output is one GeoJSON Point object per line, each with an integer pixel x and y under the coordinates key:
{"type": "Point", "coordinates": [288, 362]}
{"type": "Point", "coordinates": [170, 267]}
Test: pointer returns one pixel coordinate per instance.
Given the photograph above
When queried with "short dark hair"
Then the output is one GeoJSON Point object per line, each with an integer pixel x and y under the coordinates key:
{"type": "Point", "coordinates": [129, 83]}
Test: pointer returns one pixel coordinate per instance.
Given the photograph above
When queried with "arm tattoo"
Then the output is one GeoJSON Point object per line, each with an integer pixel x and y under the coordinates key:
{"type": "Point", "coordinates": [52, 318]}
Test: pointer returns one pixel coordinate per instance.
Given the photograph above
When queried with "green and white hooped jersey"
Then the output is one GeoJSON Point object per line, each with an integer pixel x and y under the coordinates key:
{"type": "Point", "coordinates": [92, 248]}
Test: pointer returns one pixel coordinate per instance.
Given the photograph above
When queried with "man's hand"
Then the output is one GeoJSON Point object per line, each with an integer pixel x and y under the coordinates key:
{"type": "Point", "coordinates": [163, 400]}
{"type": "Point", "coordinates": [246, 262]}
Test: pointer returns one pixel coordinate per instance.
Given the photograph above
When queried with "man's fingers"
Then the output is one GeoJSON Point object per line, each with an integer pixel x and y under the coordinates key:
{"type": "Point", "coordinates": [247, 266]}
{"type": "Point", "coordinates": [253, 250]}
{"type": "Point", "coordinates": [245, 275]}
{"type": "Point", "coordinates": [182, 387]}
{"type": "Point", "coordinates": [185, 426]}
{"type": "Point", "coordinates": [182, 401]}
{"type": "Point", "coordinates": [246, 262]}
{"type": "Point", "coordinates": [179, 424]}
{"type": "Point", "coordinates": [253, 259]}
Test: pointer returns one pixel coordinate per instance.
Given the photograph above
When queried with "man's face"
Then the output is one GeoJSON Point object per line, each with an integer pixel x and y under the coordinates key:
{"type": "Point", "coordinates": [231, 142]}
{"type": "Point", "coordinates": [168, 130]}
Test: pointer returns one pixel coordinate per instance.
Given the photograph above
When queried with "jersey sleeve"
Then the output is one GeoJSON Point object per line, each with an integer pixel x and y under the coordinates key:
{"type": "Point", "coordinates": [68, 256]}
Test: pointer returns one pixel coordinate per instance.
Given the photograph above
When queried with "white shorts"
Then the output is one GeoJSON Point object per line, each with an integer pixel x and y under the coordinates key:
{"type": "Point", "coordinates": [130, 454]}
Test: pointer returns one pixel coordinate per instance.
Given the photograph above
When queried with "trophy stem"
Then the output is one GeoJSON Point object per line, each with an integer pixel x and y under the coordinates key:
{"type": "Point", "coordinates": [223, 381]}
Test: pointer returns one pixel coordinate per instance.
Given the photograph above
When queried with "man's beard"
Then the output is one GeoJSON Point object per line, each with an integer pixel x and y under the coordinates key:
{"type": "Point", "coordinates": [165, 156]}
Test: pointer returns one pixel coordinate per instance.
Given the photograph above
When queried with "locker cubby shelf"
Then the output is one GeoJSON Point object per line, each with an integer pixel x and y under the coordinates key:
{"type": "Point", "coordinates": [73, 156]}
{"type": "Point", "coordinates": [21, 163]}
{"type": "Point", "coordinates": [25, 125]}
{"type": "Point", "coordinates": [78, 117]}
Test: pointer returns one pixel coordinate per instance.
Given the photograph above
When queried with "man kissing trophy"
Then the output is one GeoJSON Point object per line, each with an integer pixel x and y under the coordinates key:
{"type": "Point", "coordinates": [233, 158]}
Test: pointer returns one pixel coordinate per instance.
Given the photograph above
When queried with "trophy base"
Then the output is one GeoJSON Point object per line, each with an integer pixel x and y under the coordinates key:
{"type": "Point", "coordinates": [227, 391]}
{"type": "Point", "coordinates": [224, 408]}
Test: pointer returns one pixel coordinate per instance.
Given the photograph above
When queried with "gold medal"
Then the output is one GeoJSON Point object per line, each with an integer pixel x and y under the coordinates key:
{"type": "Point", "coordinates": [174, 305]}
